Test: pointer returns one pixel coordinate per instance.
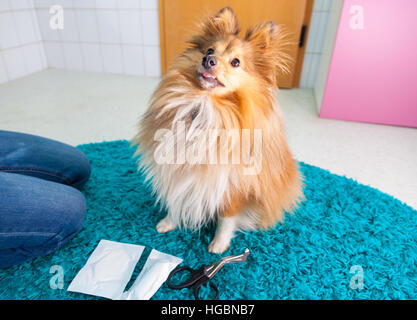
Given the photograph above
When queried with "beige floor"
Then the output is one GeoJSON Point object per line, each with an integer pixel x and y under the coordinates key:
{"type": "Point", "coordinates": [80, 107]}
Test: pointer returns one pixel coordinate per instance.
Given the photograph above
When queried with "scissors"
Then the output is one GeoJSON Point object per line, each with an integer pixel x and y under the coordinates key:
{"type": "Point", "coordinates": [203, 275]}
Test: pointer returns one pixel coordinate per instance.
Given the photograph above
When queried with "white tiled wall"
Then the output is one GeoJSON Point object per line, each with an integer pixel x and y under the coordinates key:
{"type": "Point", "coordinates": [21, 49]}
{"type": "Point", "coordinates": [318, 25]}
{"type": "Point", "coordinates": [327, 50]}
{"type": "Point", "coordinates": [114, 36]}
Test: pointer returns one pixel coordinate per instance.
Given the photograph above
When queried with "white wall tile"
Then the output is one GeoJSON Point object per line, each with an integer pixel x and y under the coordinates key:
{"type": "Point", "coordinates": [33, 58]}
{"type": "Point", "coordinates": [106, 4]}
{"type": "Point", "coordinates": [130, 28]}
{"type": "Point", "coordinates": [149, 4]}
{"type": "Point", "coordinates": [43, 3]}
{"type": "Point", "coordinates": [20, 4]}
{"type": "Point", "coordinates": [70, 31]}
{"type": "Point", "coordinates": [8, 33]}
{"type": "Point", "coordinates": [305, 70]}
{"type": "Point", "coordinates": [322, 5]}
{"type": "Point", "coordinates": [15, 63]}
{"type": "Point", "coordinates": [84, 3]}
{"type": "Point", "coordinates": [54, 55]}
{"type": "Point", "coordinates": [133, 60]}
{"type": "Point", "coordinates": [315, 61]}
{"type": "Point", "coordinates": [66, 4]}
{"type": "Point", "coordinates": [317, 5]}
{"type": "Point", "coordinates": [35, 23]}
{"type": "Point", "coordinates": [152, 61]}
{"type": "Point", "coordinates": [318, 31]}
{"type": "Point", "coordinates": [3, 72]}
{"type": "Point", "coordinates": [47, 33]}
{"type": "Point", "coordinates": [312, 35]}
{"type": "Point", "coordinates": [87, 25]}
{"type": "Point", "coordinates": [24, 24]}
{"type": "Point", "coordinates": [129, 4]}
{"type": "Point", "coordinates": [310, 70]}
{"type": "Point", "coordinates": [322, 28]}
{"type": "Point", "coordinates": [315, 42]}
{"type": "Point", "coordinates": [108, 22]}
{"type": "Point", "coordinates": [327, 5]}
{"type": "Point", "coordinates": [93, 60]}
{"type": "Point", "coordinates": [112, 58]}
{"type": "Point", "coordinates": [149, 19]}
{"type": "Point", "coordinates": [72, 55]}
{"type": "Point", "coordinates": [21, 49]}
{"type": "Point", "coordinates": [43, 55]}
{"type": "Point", "coordinates": [4, 6]}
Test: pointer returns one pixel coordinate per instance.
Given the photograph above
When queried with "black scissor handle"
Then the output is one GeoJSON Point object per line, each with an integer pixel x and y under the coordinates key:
{"type": "Point", "coordinates": [202, 281]}
{"type": "Point", "coordinates": [195, 275]}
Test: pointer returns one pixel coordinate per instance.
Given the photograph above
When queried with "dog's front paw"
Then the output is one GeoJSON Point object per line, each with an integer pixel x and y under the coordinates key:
{"type": "Point", "coordinates": [165, 225]}
{"type": "Point", "coordinates": [219, 245]}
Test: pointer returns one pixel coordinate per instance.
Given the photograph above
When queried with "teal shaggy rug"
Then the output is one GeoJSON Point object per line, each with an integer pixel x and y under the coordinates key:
{"type": "Point", "coordinates": [342, 232]}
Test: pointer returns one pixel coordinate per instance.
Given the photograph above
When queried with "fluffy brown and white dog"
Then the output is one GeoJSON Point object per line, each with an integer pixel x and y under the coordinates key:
{"type": "Point", "coordinates": [221, 83]}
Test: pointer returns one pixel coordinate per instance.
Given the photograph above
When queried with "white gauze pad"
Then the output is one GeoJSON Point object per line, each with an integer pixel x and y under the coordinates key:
{"type": "Point", "coordinates": [108, 270]}
{"type": "Point", "coordinates": [154, 273]}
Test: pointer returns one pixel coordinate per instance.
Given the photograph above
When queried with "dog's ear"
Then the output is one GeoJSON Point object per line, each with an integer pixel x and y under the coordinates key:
{"type": "Point", "coordinates": [263, 35]}
{"type": "Point", "coordinates": [223, 23]}
{"type": "Point", "coordinates": [270, 44]}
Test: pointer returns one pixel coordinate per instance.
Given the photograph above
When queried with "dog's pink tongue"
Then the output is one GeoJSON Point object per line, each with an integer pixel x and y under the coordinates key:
{"type": "Point", "coordinates": [206, 75]}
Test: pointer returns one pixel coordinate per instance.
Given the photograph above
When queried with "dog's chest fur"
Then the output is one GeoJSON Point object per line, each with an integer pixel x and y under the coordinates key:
{"type": "Point", "coordinates": [193, 194]}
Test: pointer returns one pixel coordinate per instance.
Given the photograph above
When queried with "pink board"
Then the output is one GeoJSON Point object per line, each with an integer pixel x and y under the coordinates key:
{"type": "Point", "coordinates": [373, 71]}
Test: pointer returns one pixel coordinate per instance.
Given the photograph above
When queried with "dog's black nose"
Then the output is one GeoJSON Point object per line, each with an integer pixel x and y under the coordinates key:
{"type": "Point", "coordinates": [209, 62]}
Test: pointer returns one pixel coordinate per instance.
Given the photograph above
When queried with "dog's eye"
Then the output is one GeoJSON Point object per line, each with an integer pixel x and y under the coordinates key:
{"type": "Point", "coordinates": [210, 51]}
{"type": "Point", "coordinates": [235, 62]}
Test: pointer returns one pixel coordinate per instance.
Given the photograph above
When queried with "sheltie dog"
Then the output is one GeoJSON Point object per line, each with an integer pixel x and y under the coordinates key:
{"type": "Point", "coordinates": [212, 141]}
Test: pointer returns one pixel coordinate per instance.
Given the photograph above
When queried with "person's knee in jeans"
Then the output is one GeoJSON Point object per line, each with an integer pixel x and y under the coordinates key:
{"type": "Point", "coordinates": [40, 208]}
{"type": "Point", "coordinates": [43, 217]}
{"type": "Point", "coordinates": [43, 158]}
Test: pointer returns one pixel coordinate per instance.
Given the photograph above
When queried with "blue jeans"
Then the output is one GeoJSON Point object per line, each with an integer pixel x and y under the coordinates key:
{"type": "Point", "coordinates": [40, 207]}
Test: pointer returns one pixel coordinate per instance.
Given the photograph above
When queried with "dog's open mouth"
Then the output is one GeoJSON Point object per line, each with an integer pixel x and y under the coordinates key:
{"type": "Point", "coordinates": [207, 80]}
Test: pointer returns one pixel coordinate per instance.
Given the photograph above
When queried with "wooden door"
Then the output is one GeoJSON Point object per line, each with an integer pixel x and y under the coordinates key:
{"type": "Point", "coordinates": [178, 18]}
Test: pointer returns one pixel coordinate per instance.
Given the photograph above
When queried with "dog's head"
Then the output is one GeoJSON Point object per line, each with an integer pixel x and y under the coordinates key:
{"type": "Point", "coordinates": [224, 62]}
